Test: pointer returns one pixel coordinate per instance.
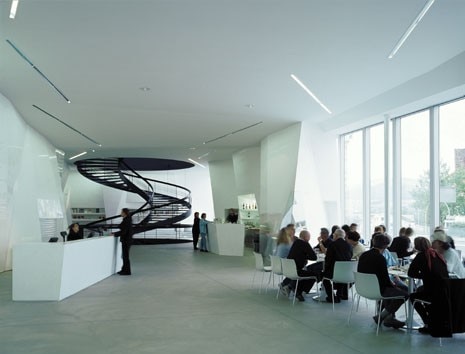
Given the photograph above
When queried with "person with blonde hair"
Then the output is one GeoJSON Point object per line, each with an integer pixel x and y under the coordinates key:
{"type": "Point", "coordinates": [283, 243]}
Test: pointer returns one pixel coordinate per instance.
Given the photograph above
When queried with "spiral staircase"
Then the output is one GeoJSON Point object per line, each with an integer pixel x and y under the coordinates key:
{"type": "Point", "coordinates": [164, 204]}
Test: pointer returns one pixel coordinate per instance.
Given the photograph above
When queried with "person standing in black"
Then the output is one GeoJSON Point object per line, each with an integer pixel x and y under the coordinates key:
{"type": "Point", "coordinates": [125, 237]}
{"type": "Point", "coordinates": [74, 232]}
{"type": "Point", "coordinates": [196, 230]}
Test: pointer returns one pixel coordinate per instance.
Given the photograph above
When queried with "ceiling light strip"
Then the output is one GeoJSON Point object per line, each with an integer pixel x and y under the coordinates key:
{"type": "Point", "coordinates": [14, 7]}
{"type": "Point", "coordinates": [234, 132]}
{"type": "Point", "coordinates": [197, 163]}
{"type": "Point", "coordinates": [409, 30]}
{"type": "Point", "coordinates": [78, 155]}
{"type": "Point", "coordinates": [312, 95]}
{"type": "Point", "coordinates": [66, 124]}
{"type": "Point", "coordinates": [38, 71]}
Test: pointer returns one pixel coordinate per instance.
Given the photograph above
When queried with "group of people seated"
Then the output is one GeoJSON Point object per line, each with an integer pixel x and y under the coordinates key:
{"type": "Point", "coordinates": [339, 245]}
{"type": "Point", "coordinates": [431, 261]}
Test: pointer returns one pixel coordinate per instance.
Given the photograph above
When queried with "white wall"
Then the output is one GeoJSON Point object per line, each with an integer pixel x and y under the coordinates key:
{"type": "Point", "coordinates": [82, 192]}
{"type": "Point", "coordinates": [317, 181]}
{"type": "Point", "coordinates": [223, 185]}
{"type": "Point", "coordinates": [278, 165]}
{"type": "Point", "coordinates": [246, 165]}
{"type": "Point", "coordinates": [29, 179]}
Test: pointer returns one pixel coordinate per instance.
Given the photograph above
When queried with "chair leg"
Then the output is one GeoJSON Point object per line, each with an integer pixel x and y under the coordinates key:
{"type": "Point", "coordinates": [269, 282]}
{"type": "Point", "coordinates": [295, 291]}
{"type": "Point", "coordinates": [352, 308]}
{"type": "Point", "coordinates": [379, 316]}
{"type": "Point", "coordinates": [332, 292]}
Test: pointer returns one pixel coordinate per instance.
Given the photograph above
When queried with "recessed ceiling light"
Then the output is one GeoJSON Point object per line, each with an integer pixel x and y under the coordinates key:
{"type": "Point", "coordinates": [410, 29]}
{"type": "Point", "coordinates": [197, 163]}
{"type": "Point", "coordinates": [14, 7]}
{"type": "Point", "coordinates": [145, 89]}
{"type": "Point", "coordinates": [312, 95]}
{"type": "Point", "coordinates": [76, 156]}
{"type": "Point", "coordinates": [250, 105]}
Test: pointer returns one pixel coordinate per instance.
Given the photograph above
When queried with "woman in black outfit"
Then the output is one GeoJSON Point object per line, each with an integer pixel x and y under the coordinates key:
{"type": "Point", "coordinates": [431, 267]}
{"type": "Point", "coordinates": [74, 233]}
{"type": "Point", "coordinates": [125, 235]}
{"type": "Point", "coordinates": [196, 230]}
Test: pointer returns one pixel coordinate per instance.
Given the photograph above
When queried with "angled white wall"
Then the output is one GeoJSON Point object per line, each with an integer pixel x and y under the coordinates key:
{"type": "Point", "coordinates": [223, 186]}
{"type": "Point", "coordinates": [30, 184]}
{"type": "Point", "coordinates": [278, 167]}
{"type": "Point", "coordinates": [246, 165]}
{"type": "Point", "coordinates": [317, 182]}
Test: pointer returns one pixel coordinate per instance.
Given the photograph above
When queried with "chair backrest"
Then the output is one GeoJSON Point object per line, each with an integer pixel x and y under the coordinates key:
{"type": "Point", "coordinates": [276, 266]}
{"type": "Point", "coordinates": [367, 285]}
{"type": "Point", "coordinates": [344, 271]}
{"type": "Point", "coordinates": [289, 268]}
{"type": "Point", "coordinates": [258, 261]}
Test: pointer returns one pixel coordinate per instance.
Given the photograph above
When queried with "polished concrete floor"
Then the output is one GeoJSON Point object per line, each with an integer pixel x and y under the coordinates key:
{"type": "Point", "coordinates": [180, 301]}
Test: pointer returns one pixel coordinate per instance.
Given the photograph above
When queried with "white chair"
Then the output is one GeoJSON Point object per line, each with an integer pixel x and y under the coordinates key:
{"type": "Point", "coordinates": [290, 271]}
{"type": "Point", "coordinates": [276, 269]}
{"type": "Point", "coordinates": [367, 286]}
{"type": "Point", "coordinates": [343, 273]}
{"type": "Point", "coordinates": [260, 268]}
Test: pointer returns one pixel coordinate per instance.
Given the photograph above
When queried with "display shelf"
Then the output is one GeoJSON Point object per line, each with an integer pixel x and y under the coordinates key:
{"type": "Point", "coordinates": [87, 215]}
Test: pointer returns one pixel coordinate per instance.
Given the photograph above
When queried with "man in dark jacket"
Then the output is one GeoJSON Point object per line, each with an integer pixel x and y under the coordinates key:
{"type": "Point", "coordinates": [338, 250]}
{"type": "Point", "coordinates": [196, 230]}
{"type": "Point", "coordinates": [301, 252]}
{"type": "Point", "coordinates": [125, 237]}
{"type": "Point", "coordinates": [373, 262]}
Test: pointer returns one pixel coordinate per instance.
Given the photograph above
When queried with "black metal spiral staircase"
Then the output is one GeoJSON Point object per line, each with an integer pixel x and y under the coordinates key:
{"type": "Point", "coordinates": [165, 204]}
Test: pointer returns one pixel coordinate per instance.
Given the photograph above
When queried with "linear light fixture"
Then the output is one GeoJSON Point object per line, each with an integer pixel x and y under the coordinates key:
{"type": "Point", "coordinates": [409, 30]}
{"type": "Point", "coordinates": [312, 95]}
{"type": "Point", "coordinates": [21, 54]}
{"type": "Point", "coordinates": [197, 163]}
{"type": "Point", "coordinates": [66, 124]}
{"type": "Point", "coordinates": [14, 7]}
{"type": "Point", "coordinates": [231, 133]}
{"type": "Point", "coordinates": [78, 155]}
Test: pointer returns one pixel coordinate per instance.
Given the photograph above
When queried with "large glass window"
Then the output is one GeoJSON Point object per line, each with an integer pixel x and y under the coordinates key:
{"type": "Point", "coordinates": [452, 170]}
{"type": "Point", "coordinates": [415, 177]}
{"type": "Point", "coordinates": [377, 184]}
{"type": "Point", "coordinates": [353, 179]}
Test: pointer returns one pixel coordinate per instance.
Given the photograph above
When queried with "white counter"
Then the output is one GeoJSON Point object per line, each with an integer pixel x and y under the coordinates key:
{"type": "Point", "coordinates": [226, 239]}
{"type": "Point", "coordinates": [53, 271]}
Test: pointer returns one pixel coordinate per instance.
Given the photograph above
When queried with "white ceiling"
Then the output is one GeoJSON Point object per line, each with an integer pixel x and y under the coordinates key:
{"type": "Point", "coordinates": [205, 61]}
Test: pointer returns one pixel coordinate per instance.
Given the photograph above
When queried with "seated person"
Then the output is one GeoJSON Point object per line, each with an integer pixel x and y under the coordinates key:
{"type": "Point", "coordinates": [353, 239]}
{"type": "Point", "coordinates": [440, 244]}
{"type": "Point", "coordinates": [373, 262]}
{"type": "Point", "coordinates": [333, 228]}
{"type": "Point", "coordinates": [338, 250]}
{"type": "Point", "coordinates": [431, 267]}
{"type": "Point", "coordinates": [402, 244]}
{"type": "Point", "coordinates": [323, 241]}
{"type": "Point", "coordinates": [301, 252]}
{"type": "Point", "coordinates": [391, 262]}
{"type": "Point", "coordinates": [74, 232]}
{"type": "Point", "coordinates": [232, 216]}
{"type": "Point", "coordinates": [283, 244]}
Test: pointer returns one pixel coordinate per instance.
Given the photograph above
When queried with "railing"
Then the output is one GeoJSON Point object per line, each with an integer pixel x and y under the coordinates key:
{"type": "Point", "coordinates": [163, 203]}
